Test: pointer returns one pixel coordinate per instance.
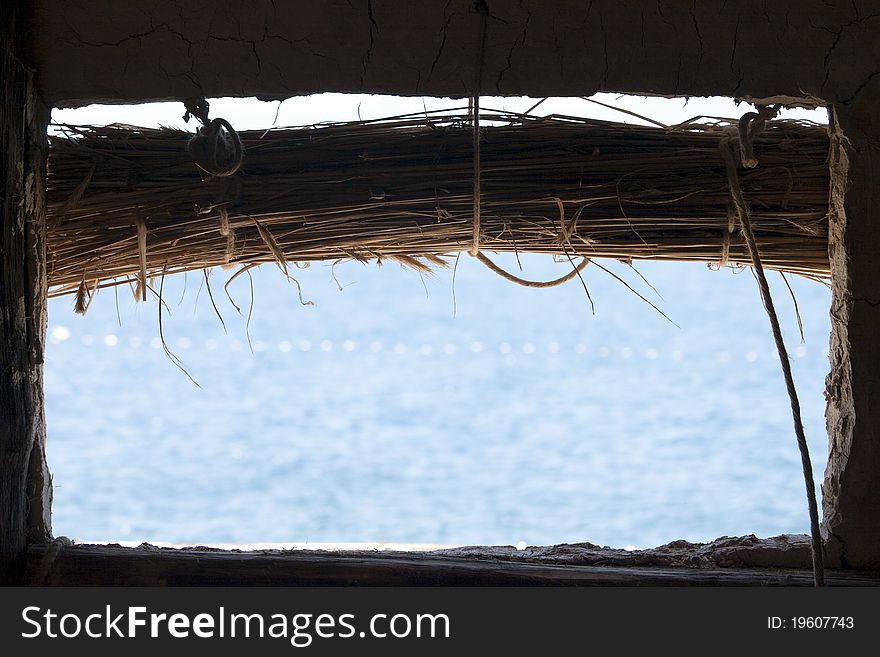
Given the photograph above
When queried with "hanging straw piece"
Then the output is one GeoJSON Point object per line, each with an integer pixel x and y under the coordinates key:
{"type": "Point", "coordinates": [81, 304]}
{"type": "Point", "coordinates": [564, 233]}
{"type": "Point", "coordinates": [75, 196]}
{"type": "Point", "coordinates": [749, 126]}
{"type": "Point", "coordinates": [276, 251]}
{"type": "Point", "coordinates": [141, 291]}
{"type": "Point", "coordinates": [84, 296]}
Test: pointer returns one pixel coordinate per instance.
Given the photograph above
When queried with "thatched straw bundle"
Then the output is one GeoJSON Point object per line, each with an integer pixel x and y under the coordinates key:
{"type": "Point", "coordinates": [128, 203]}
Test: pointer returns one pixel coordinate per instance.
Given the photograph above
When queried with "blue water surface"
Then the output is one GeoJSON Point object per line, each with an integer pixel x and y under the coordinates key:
{"type": "Point", "coordinates": [393, 410]}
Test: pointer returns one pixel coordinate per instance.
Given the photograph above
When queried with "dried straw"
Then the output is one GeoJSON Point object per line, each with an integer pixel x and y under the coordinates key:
{"type": "Point", "coordinates": [401, 188]}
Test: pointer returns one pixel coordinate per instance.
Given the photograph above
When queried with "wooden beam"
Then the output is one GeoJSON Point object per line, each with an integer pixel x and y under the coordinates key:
{"type": "Point", "coordinates": [117, 566]}
{"type": "Point", "coordinates": [25, 489]}
{"type": "Point", "coordinates": [111, 51]}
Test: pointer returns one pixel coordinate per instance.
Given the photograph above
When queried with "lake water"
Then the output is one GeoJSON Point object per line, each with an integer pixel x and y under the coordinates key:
{"type": "Point", "coordinates": [395, 411]}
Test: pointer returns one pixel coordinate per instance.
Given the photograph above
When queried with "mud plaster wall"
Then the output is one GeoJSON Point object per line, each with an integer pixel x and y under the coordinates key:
{"type": "Point", "coordinates": [25, 484]}
{"type": "Point", "coordinates": [105, 50]}
{"type": "Point", "coordinates": [811, 50]}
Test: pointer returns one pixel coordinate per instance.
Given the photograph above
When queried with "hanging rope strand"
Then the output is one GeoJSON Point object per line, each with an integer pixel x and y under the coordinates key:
{"type": "Point", "coordinates": [748, 127]}
{"type": "Point", "coordinates": [527, 283]}
{"type": "Point", "coordinates": [475, 246]}
{"type": "Point", "coordinates": [483, 9]}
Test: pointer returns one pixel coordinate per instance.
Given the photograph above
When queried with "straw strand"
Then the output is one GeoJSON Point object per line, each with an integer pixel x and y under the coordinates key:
{"type": "Point", "coordinates": [142, 258]}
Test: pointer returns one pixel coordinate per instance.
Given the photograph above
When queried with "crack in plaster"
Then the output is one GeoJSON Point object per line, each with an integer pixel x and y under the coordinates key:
{"type": "Point", "coordinates": [838, 35]}
{"type": "Point", "coordinates": [517, 42]}
{"type": "Point", "coordinates": [444, 34]}
{"type": "Point", "coordinates": [697, 29]}
{"type": "Point", "coordinates": [374, 30]}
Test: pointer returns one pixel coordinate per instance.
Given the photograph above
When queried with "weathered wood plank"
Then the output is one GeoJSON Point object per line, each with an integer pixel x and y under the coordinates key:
{"type": "Point", "coordinates": [117, 566]}
{"type": "Point", "coordinates": [24, 479]}
{"type": "Point", "coordinates": [113, 51]}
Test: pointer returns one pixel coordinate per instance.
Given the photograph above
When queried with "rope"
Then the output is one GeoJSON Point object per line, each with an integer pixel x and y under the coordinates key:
{"type": "Point", "coordinates": [527, 283]}
{"type": "Point", "coordinates": [483, 9]}
{"type": "Point", "coordinates": [566, 231]}
{"type": "Point", "coordinates": [475, 248]}
{"type": "Point", "coordinates": [725, 252]}
{"type": "Point", "coordinates": [725, 240]}
{"type": "Point", "coordinates": [48, 561]}
{"type": "Point", "coordinates": [216, 147]}
{"type": "Point", "coordinates": [749, 125]}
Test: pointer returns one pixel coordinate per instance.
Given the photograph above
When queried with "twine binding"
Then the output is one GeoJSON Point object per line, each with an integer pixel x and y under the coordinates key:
{"type": "Point", "coordinates": [216, 147]}
{"type": "Point", "coordinates": [50, 556]}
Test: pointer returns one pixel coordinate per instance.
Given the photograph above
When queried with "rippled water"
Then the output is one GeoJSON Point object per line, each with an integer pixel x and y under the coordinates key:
{"type": "Point", "coordinates": [391, 411]}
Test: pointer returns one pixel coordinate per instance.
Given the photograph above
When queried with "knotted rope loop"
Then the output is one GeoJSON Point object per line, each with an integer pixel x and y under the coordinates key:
{"type": "Point", "coordinates": [750, 124]}
{"type": "Point", "coordinates": [216, 147]}
{"type": "Point", "coordinates": [44, 569]}
{"type": "Point", "coordinates": [197, 107]}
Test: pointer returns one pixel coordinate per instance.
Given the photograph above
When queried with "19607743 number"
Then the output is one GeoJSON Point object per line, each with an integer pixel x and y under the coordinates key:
{"type": "Point", "coordinates": [811, 623]}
